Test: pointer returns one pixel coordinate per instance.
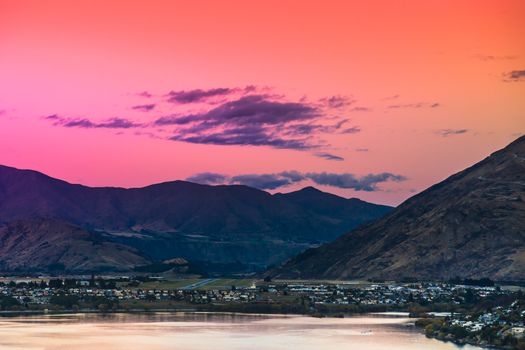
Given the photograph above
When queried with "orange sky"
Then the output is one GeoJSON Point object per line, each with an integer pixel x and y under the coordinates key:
{"type": "Point", "coordinates": [427, 88]}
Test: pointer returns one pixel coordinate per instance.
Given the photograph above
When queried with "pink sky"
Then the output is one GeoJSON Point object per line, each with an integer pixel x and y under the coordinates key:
{"type": "Point", "coordinates": [438, 85]}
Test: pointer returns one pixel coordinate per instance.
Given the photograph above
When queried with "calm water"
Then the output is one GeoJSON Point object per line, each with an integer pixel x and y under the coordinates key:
{"type": "Point", "coordinates": [195, 331]}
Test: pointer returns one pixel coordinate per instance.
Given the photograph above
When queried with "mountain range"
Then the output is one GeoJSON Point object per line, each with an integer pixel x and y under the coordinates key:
{"type": "Point", "coordinates": [471, 225]}
{"type": "Point", "coordinates": [218, 224]}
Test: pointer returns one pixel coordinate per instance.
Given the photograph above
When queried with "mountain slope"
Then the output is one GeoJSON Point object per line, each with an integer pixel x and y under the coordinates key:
{"type": "Point", "coordinates": [45, 244]}
{"type": "Point", "coordinates": [470, 225]}
{"type": "Point", "coordinates": [183, 219]}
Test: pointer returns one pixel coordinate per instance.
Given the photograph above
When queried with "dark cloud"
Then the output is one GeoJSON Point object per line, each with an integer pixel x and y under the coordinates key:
{"type": "Point", "coordinates": [337, 101]}
{"type": "Point", "coordinates": [450, 132]}
{"type": "Point", "coordinates": [248, 110]}
{"type": "Point", "coordinates": [352, 130]}
{"type": "Point", "coordinates": [329, 156]}
{"type": "Point", "coordinates": [361, 149]}
{"type": "Point", "coordinates": [144, 108]}
{"type": "Point", "coordinates": [415, 105]}
{"type": "Point", "coordinates": [262, 181]}
{"type": "Point", "coordinates": [197, 95]}
{"type": "Point", "coordinates": [514, 75]}
{"type": "Point", "coordinates": [257, 120]}
{"type": "Point", "coordinates": [208, 178]}
{"type": "Point", "coordinates": [311, 128]}
{"type": "Point", "coordinates": [367, 183]}
{"type": "Point", "coordinates": [245, 137]}
{"type": "Point", "coordinates": [249, 120]}
{"type": "Point", "coordinates": [113, 123]}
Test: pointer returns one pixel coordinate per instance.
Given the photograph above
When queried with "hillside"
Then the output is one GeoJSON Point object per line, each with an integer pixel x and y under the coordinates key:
{"type": "Point", "coordinates": [470, 225]}
{"type": "Point", "coordinates": [225, 224]}
{"type": "Point", "coordinates": [44, 244]}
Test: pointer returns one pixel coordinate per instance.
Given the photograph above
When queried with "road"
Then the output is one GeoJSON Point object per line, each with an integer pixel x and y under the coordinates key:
{"type": "Point", "coordinates": [199, 284]}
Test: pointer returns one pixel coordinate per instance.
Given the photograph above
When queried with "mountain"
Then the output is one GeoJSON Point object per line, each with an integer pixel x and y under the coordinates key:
{"type": "Point", "coordinates": [470, 225]}
{"type": "Point", "coordinates": [223, 224]}
{"type": "Point", "coordinates": [45, 244]}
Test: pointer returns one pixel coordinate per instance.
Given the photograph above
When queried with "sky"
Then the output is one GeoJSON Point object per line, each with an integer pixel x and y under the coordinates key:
{"type": "Point", "coordinates": [370, 99]}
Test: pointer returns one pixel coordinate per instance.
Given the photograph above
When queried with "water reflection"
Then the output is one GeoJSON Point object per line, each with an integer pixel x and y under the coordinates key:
{"type": "Point", "coordinates": [196, 331]}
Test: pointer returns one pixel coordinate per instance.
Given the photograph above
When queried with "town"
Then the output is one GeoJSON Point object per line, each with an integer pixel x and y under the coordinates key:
{"type": "Point", "coordinates": [481, 315]}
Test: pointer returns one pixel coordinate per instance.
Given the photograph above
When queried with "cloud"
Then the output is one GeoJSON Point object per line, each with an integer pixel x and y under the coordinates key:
{"type": "Point", "coordinates": [352, 130]}
{"type": "Point", "coordinates": [207, 178]}
{"type": "Point", "coordinates": [248, 110]}
{"type": "Point", "coordinates": [311, 128]}
{"type": "Point", "coordinates": [113, 123]}
{"type": "Point", "coordinates": [248, 136]}
{"type": "Point", "coordinates": [145, 94]}
{"type": "Point", "coordinates": [337, 101]}
{"type": "Point", "coordinates": [329, 156]}
{"type": "Point", "coordinates": [514, 76]}
{"type": "Point", "coordinates": [487, 58]}
{"type": "Point", "coordinates": [393, 97]}
{"type": "Point", "coordinates": [368, 183]}
{"type": "Point", "coordinates": [257, 120]}
{"type": "Point", "coordinates": [249, 116]}
{"type": "Point", "coordinates": [451, 132]}
{"type": "Point", "coordinates": [415, 105]}
{"type": "Point", "coordinates": [361, 149]}
{"type": "Point", "coordinates": [262, 181]}
{"type": "Point", "coordinates": [198, 95]}
{"type": "Point", "coordinates": [360, 109]}
{"type": "Point", "coordinates": [144, 108]}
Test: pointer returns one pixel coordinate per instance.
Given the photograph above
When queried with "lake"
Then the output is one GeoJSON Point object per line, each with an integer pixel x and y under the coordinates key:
{"type": "Point", "coordinates": [199, 331]}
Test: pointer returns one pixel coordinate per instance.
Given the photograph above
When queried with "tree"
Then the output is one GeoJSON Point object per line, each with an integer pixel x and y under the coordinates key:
{"type": "Point", "coordinates": [65, 301]}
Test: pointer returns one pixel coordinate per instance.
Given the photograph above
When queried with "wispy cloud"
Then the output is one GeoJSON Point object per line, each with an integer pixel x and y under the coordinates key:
{"type": "Point", "coordinates": [200, 95]}
{"type": "Point", "coordinates": [360, 109]}
{"type": "Point", "coordinates": [337, 101]}
{"type": "Point", "coordinates": [112, 123]}
{"type": "Point", "coordinates": [451, 132]}
{"type": "Point", "coordinates": [368, 183]}
{"type": "Point", "coordinates": [329, 156]}
{"type": "Point", "coordinates": [392, 97]}
{"type": "Point", "coordinates": [145, 94]}
{"type": "Point", "coordinates": [514, 76]}
{"type": "Point", "coordinates": [144, 108]}
{"type": "Point", "coordinates": [487, 58]}
{"type": "Point", "coordinates": [415, 105]}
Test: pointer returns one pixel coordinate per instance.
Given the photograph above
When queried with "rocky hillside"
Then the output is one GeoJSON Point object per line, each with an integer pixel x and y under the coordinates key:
{"type": "Point", "coordinates": [470, 225]}
{"type": "Point", "coordinates": [52, 245]}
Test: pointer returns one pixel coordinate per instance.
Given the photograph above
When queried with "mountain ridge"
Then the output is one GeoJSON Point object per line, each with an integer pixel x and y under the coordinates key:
{"type": "Point", "coordinates": [225, 223]}
{"type": "Point", "coordinates": [471, 224]}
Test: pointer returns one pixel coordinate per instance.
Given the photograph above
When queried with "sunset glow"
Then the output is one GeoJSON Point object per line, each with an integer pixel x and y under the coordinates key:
{"type": "Point", "coordinates": [369, 99]}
